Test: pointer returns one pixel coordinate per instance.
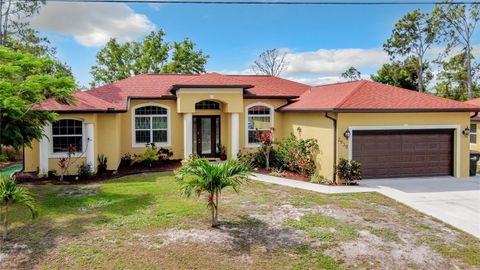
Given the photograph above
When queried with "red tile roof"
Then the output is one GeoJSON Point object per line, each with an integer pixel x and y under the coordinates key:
{"type": "Point", "coordinates": [159, 85]}
{"type": "Point", "coordinates": [371, 96]}
{"type": "Point", "coordinates": [475, 102]}
{"type": "Point", "coordinates": [84, 101]}
{"type": "Point", "coordinates": [212, 80]}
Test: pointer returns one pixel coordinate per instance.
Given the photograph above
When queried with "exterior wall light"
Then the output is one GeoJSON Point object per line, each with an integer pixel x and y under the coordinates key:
{"type": "Point", "coordinates": [347, 133]}
{"type": "Point", "coordinates": [466, 131]}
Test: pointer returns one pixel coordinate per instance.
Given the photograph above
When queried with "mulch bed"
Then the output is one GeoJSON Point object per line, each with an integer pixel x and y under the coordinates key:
{"type": "Point", "coordinates": [32, 178]}
{"type": "Point", "coordinates": [287, 174]}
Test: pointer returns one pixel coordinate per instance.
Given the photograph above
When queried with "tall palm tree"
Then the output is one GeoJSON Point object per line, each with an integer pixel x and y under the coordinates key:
{"type": "Point", "coordinates": [11, 193]}
{"type": "Point", "coordinates": [198, 175]}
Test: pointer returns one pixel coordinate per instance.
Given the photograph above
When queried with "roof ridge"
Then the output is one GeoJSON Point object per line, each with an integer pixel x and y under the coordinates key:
{"type": "Point", "coordinates": [330, 84]}
{"type": "Point", "coordinates": [353, 91]}
{"type": "Point", "coordinates": [209, 74]}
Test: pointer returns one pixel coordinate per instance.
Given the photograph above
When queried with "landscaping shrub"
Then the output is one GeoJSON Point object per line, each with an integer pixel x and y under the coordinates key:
{"type": "Point", "coordinates": [319, 179]}
{"type": "Point", "coordinates": [257, 159]}
{"type": "Point", "coordinates": [164, 154]}
{"type": "Point", "coordinates": [84, 171]}
{"type": "Point", "coordinates": [349, 171]}
{"type": "Point", "coordinates": [102, 164]}
{"type": "Point", "coordinates": [148, 157]}
{"type": "Point", "coordinates": [297, 154]}
{"type": "Point", "coordinates": [3, 158]}
{"type": "Point", "coordinates": [126, 160]}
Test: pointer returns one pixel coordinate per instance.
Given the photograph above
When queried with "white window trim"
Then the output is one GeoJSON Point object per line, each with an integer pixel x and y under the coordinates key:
{"type": "Point", "coordinates": [272, 113]}
{"type": "Point", "coordinates": [407, 127]}
{"type": "Point", "coordinates": [65, 154]}
{"type": "Point", "coordinates": [169, 130]}
{"type": "Point", "coordinates": [476, 132]}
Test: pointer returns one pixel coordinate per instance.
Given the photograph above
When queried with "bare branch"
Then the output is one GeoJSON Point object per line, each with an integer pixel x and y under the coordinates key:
{"type": "Point", "coordinates": [270, 62]}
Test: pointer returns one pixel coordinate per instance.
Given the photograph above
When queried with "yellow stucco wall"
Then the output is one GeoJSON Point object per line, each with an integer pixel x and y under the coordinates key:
{"type": "Point", "coordinates": [314, 125]}
{"type": "Point", "coordinates": [32, 157]}
{"type": "Point", "coordinates": [230, 98]}
{"type": "Point", "coordinates": [345, 120]}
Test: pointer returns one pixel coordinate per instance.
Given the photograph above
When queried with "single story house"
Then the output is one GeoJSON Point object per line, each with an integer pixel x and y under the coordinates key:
{"type": "Point", "coordinates": [392, 132]}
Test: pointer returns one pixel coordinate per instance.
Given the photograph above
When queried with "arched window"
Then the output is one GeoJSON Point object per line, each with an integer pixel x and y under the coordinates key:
{"type": "Point", "coordinates": [151, 125]}
{"type": "Point", "coordinates": [66, 132]}
{"type": "Point", "coordinates": [259, 120]}
{"type": "Point", "coordinates": [207, 105]}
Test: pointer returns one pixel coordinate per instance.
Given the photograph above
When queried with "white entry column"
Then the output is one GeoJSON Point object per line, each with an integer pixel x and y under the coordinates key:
{"type": "Point", "coordinates": [187, 135]}
{"type": "Point", "coordinates": [235, 131]}
{"type": "Point", "coordinates": [44, 149]}
{"type": "Point", "coordinates": [90, 146]}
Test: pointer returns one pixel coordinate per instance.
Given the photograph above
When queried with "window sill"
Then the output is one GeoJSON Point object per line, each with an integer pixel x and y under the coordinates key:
{"type": "Point", "coordinates": [143, 145]}
{"type": "Point", "coordinates": [65, 154]}
{"type": "Point", "coordinates": [252, 145]}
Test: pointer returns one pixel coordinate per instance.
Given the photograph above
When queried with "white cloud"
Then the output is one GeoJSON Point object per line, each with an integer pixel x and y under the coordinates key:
{"type": "Point", "coordinates": [325, 66]}
{"type": "Point", "coordinates": [328, 62]}
{"type": "Point", "coordinates": [320, 80]}
{"type": "Point", "coordinates": [92, 24]}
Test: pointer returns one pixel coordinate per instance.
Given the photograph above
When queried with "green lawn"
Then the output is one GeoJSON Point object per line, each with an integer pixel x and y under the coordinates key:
{"type": "Point", "coordinates": [142, 222]}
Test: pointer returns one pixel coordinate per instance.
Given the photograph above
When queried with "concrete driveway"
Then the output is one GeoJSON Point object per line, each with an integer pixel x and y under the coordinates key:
{"type": "Point", "coordinates": [452, 200]}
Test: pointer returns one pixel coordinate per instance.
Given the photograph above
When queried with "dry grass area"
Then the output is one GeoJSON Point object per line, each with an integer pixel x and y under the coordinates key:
{"type": "Point", "coordinates": [142, 222]}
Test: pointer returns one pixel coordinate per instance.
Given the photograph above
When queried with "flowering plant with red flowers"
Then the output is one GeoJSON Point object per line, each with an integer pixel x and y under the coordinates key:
{"type": "Point", "coordinates": [266, 141]}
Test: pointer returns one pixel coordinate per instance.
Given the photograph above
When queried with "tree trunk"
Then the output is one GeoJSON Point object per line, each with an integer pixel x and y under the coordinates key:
{"type": "Point", "coordinates": [216, 208]}
{"type": "Point", "coordinates": [469, 71]}
{"type": "Point", "coordinates": [420, 75]}
{"type": "Point", "coordinates": [5, 223]}
{"type": "Point", "coordinates": [267, 158]}
{"type": "Point", "coordinates": [212, 208]}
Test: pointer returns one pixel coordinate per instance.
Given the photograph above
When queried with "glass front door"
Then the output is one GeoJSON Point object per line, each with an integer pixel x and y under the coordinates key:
{"type": "Point", "coordinates": [206, 135]}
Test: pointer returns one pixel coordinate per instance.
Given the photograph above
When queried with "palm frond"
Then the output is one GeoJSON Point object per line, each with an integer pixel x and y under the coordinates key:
{"type": "Point", "coordinates": [11, 193]}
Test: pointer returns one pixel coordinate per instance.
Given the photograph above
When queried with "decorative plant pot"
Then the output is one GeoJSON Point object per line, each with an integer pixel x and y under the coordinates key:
{"type": "Point", "coordinates": [223, 157]}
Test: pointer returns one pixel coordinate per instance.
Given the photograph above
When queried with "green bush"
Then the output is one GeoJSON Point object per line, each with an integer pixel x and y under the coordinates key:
{"type": "Point", "coordinates": [84, 171]}
{"type": "Point", "coordinates": [149, 156]}
{"type": "Point", "coordinates": [349, 171]}
{"type": "Point", "coordinates": [3, 158]}
{"type": "Point", "coordinates": [297, 154]}
{"type": "Point", "coordinates": [102, 164]}
{"type": "Point", "coordinates": [257, 158]}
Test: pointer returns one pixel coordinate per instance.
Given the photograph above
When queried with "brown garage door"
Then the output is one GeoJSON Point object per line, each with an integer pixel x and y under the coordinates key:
{"type": "Point", "coordinates": [404, 153]}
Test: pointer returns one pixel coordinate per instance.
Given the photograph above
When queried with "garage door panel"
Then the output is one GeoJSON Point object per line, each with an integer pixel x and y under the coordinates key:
{"type": "Point", "coordinates": [404, 153]}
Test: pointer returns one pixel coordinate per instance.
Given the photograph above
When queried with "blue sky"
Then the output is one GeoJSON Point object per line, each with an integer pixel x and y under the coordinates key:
{"type": "Point", "coordinates": [231, 35]}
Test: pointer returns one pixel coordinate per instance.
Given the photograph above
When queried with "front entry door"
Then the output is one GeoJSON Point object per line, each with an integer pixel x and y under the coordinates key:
{"type": "Point", "coordinates": [206, 135]}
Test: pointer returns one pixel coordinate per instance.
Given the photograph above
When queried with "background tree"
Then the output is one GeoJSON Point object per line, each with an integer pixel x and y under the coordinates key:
{"type": "Point", "coordinates": [460, 23]}
{"type": "Point", "coordinates": [402, 74]}
{"type": "Point", "coordinates": [352, 74]}
{"type": "Point", "coordinates": [12, 18]}
{"type": "Point", "coordinates": [270, 62]}
{"type": "Point", "coordinates": [454, 79]}
{"type": "Point", "coordinates": [413, 35]}
{"type": "Point", "coordinates": [198, 175]}
{"type": "Point", "coordinates": [11, 194]}
{"type": "Point", "coordinates": [25, 81]}
{"type": "Point", "coordinates": [152, 55]}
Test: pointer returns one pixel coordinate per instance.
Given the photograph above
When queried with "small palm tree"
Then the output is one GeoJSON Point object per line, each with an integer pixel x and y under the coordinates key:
{"type": "Point", "coordinates": [198, 175]}
{"type": "Point", "coordinates": [11, 193]}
